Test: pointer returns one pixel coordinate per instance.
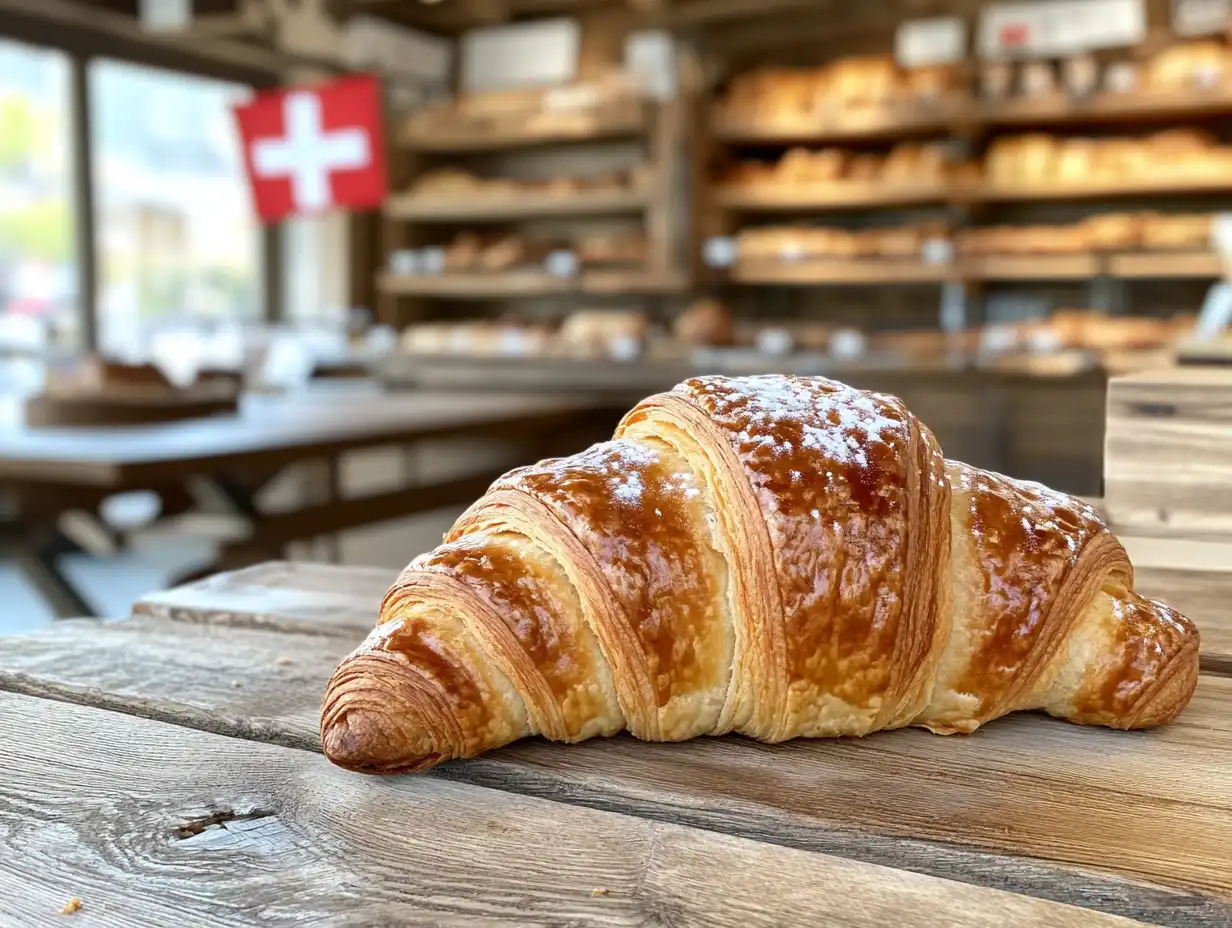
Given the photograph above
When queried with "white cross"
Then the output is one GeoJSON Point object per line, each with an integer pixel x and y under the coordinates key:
{"type": "Point", "coordinates": [307, 154]}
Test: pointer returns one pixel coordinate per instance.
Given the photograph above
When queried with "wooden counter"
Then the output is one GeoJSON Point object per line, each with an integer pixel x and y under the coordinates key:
{"type": "Point", "coordinates": [199, 798]}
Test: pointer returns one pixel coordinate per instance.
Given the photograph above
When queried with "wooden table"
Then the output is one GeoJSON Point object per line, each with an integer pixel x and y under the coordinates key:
{"type": "Point", "coordinates": [165, 770]}
{"type": "Point", "coordinates": [47, 472]}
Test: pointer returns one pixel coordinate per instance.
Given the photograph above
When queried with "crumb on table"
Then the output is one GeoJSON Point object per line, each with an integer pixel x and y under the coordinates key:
{"type": "Point", "coordinates": [284, 662]}
{"type": "Point", "coordinates": [236, 684]}
{"type": "Point", "coordinates": [71, 906]}
{"type": "Point", "coordinates": [600, 892]}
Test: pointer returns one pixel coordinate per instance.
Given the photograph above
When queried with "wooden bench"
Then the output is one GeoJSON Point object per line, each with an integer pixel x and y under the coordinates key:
{"type": "Point", "coordinates": [164, 769]}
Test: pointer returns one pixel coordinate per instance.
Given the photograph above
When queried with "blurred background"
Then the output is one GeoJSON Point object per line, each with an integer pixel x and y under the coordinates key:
{"type": "Point", "coordinates": [988, 209]}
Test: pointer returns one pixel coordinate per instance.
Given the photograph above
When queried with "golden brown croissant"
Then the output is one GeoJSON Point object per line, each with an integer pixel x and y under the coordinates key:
{"type": "Point", "coordinates": [777, 556]}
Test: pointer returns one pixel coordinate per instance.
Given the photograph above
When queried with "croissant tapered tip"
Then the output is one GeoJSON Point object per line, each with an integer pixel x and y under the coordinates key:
{"type": "Point", "coordinates": [363, 729]}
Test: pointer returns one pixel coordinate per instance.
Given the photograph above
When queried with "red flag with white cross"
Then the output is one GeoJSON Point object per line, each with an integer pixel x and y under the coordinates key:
{"type": "Point", "coordinates": [309, 150]}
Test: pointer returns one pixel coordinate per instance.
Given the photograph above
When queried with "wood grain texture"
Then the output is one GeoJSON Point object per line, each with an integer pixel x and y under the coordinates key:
{"type": "Point", "coordinates": [149, 824]}
{"type": "Point", "coordinates": [243, 682]}
{"type": "Point", "coordinates": [1105, 815]}
{"type": "Point", "coordinates": [282, 595]}
{"type": "Point", "coordinates": [1168, 459]}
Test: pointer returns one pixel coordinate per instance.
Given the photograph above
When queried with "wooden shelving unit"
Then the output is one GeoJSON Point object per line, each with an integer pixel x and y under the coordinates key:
{"type": "Point", "coordinates": [1099, 190]}
{"type": "Point", "coordinates": [508, 208]}
{"type": "Point", "coordinates": [840, 127]}
{"type": "Point", "coordinates": [1031, 267]}
{"type": "Point", "coordinates": [1105, 108]}
{"type": "Point", "coordinates": [815, 272]}
{"type": "Point", "coordinates": [624, 119]}
{"type": "Point", "coordinates": [526, 283]}
{"type": "Point", "coordinates": [1165, 264]}
{"type": "Point", "coordinates": [1161, 265]}
{"type": "Point", "coordinates": [413, 222]}
{"type": "Point", "coordinates": [847, 195]}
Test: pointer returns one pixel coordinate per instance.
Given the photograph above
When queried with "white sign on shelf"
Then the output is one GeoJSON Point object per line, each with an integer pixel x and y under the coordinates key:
{"type": "Point", "coordinates": [1201, 17]}
{"type": "Point", "coordinates": [539, 53]}
{"type": "Point", "coordinates": [719, 251]}
{"type": "Point", "coordinates": [1054, 28]}
{"type": "Point", "coordinates": [165, 15]}
{"type": "Point", "coordinates": [404, 262]}
{"type": "Point", "coordinates": [937, 251]}
{"type": "Point", "coordinates": [650, 55]}
{"type": "Point", "coordinates": [938, 40]}
{"type": "Point", "coordinates": [432, 260]}
{"type": "Point", "coordinates": [561, 263]}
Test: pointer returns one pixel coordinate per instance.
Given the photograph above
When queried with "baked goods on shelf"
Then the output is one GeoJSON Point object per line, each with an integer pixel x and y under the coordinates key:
{"type": "Point", "coordinates": [477, 339]}
{"type": "Point", "coordinates": [611, 99]}
{"type": "Point", "coordinates": [1173, 155]}
{"type": "Point", "coordinates": [908, 164]}
{"type": "Point", "coordinates": [451, 183]}
{"type": "Point", "coordinates": [604, 333]}
{"type": "Point", "coordinates": [706, 323]}
{"type": "Point", "coordinates": [846, 93]}
{"type": "Point", "coordinates": [1197, 65]}
{"type": "Point", "coordinates": [612, 248]}
{"type": "Point", "coordinates": [799, 243]}
{"type": "Point", "coordinates": [474, 253]}
{"type": "Point", "coordinates": [1105, 232]}
{"type": "Point", "coordinates": [676, 571]}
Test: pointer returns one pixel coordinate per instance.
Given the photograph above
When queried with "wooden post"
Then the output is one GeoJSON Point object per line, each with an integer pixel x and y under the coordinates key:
{"type": "Point", "coordinates": [83, 200]}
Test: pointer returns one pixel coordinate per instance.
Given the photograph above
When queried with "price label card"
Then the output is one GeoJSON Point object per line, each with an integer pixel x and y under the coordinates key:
{"type": "Point", "coordinates": [561, 263]}
{"type": "Point", "coordinates": [512, 342]}
{"type": "Point", "coordinates": [937, 251]}
{"type": "Point", "coordinates": [938, 40]}
{"type": "Point", "coordinates": [624, 348]}
{"type": "Point", "coordinates": [1055, 28]}
{"type": "Point", "coordinates": [720, 251]}
{"type": "Point", "coordinates": [777, 343]}
{"type": "Point", "coordinates": [1201, 17]}
{"type": "Point", "coordinates": [432, 260]}
{"type": "Point", "coordinates": [404, 262]}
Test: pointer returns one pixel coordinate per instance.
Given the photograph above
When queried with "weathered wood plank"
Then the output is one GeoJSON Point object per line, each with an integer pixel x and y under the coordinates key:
{"type": "Point", "coordinates": [280, 595]}
{"type": "Point", "coordinates": [1100, 812]}
{"type": "Point", "coordinates": [151, 824]}
{"type": "Point", "coordinates": [244, 682]}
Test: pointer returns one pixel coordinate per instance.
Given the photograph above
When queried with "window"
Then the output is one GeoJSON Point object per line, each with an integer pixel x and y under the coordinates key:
{"type": "Point", "coordinates": [38, 276]}
{"type": "Point", "coordinates": [177, 238]}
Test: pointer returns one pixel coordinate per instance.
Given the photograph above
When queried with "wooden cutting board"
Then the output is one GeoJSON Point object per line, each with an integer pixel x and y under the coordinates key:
{"type": "Point", "coordinates": [1138, 824]}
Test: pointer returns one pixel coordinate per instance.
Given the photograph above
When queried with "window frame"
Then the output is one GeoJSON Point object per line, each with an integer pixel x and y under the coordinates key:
{"type": "Point", "coordinates": [83, 42]}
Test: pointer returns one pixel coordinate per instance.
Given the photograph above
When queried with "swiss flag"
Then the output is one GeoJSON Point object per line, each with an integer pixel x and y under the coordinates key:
{"type": "Point", "coordinates": [308, 150]}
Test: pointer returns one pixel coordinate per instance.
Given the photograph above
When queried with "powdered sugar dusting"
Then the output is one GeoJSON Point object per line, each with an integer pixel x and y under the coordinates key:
{"type": "Point", "coordinates": [832, 417]}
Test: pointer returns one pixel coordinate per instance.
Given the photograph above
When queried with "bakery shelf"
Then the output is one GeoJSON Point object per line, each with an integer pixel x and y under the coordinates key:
{"type": "Point", "coordinates": [852, 125]}
{"type": "Point", "coordinates": [1101, 189]}
{"type": "Point", "coordinates": [517, 206]}
{"type": "Point", "coordinates": [841, 271]}
{"type": "Point", "coordinates": [626, 120]}
{"type": "Point", "coordinates": [847, 195]}
{"type": "Point", "coordinates": [1107, 108]}
{"type": "Point", "coordinates": [476, 286]}
{"type": "Point", "coordinates": [527, 283]}
{"type": "Point", "coordinates": [1165, 264]}
{"type": "Point", "coordinates": [1031, 267]}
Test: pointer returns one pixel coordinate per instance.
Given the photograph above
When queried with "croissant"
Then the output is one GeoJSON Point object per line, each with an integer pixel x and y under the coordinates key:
{"type": "Point", "coordinates": [777, 556]}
